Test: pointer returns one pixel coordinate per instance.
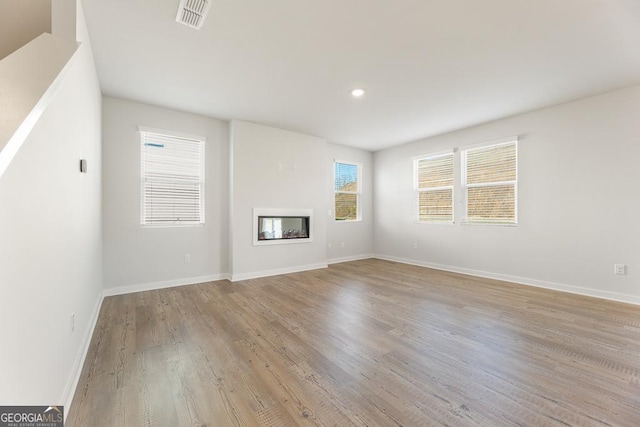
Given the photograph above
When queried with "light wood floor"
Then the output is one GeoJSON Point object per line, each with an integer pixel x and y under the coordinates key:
{"type": "Point", "coordinates": [365, 343]}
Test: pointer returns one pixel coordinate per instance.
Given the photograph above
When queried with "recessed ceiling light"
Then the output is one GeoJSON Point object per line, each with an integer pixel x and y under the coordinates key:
{"type": "Point", "coordinates": [357, 92]}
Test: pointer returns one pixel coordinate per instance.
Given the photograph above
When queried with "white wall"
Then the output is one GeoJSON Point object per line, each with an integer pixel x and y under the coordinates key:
{"type": "Point", "coordinates": [22, 21]}
{"type": "Point", "coordinates": [51, 244]}
{"type": "Point", "coordinates": [138, 257]}
{"type": "Point", "coordinates": [258, 182]}
{"type": "Point", "coordinates": [578, 199]}
{"type": "Point", "coordinates": [63, 14]}
{"type": "Point", "coordinates": [29, 78]}
{"type": "Point", "coordinates": [351, 240]}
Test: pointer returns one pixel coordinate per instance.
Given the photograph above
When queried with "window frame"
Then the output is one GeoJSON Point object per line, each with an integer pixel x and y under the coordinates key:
{"type": "Point", "coordinates": [358, 192]}
{"type": "Point", "coordinates": [201, 181]}
{"type": "Point", "coordinates": [464, 186]}
{"type": "Point", "coordinates": [417, 190]}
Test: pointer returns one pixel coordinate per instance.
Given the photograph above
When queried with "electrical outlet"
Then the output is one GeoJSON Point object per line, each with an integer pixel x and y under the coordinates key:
{"type": "Point", "coordinates": [342, 244]}
{"type": "Point", "coordinates": [187, 258]}
{"type": "Point", "coordinates": [415, 245]}
{"type": "Point", "coordinates": [330, 245]}
{"type": "Point", "coordinates": [620, 269]}
{"type": "Point", "coordinates": [73, 322]}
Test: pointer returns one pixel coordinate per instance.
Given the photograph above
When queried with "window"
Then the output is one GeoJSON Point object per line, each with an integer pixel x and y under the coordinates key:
{"type": "Point", "coordinates": [172, 179]}
{"type": "Point", "coordinates": [489, 180]}
{"type": "Point", "coordinates": [434, 188]}
{"type": "Point", "coordinates": [347, 191]}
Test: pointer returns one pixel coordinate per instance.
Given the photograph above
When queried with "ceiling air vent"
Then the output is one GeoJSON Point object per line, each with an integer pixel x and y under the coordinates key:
{"type": "Point", "coordinates": [192, 12]}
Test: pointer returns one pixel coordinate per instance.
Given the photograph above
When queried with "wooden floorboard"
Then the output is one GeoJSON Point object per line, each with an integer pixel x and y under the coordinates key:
{"type": "Point", "coordinates": [364, 343]}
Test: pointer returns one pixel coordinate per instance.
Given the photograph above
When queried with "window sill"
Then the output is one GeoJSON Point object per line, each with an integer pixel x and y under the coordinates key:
{"type": "Point", "coordinates": [435, 222]}
{"type": "Point", "coordinates": [489, 224]}
{"type": "Point", "coordinates": [170, 225]}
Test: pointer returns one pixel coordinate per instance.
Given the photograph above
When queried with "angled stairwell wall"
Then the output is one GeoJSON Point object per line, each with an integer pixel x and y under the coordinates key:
{"type": "Point", "coordinates": [50, 216]}
{"type": "Point", "coordinates": [29, 78]}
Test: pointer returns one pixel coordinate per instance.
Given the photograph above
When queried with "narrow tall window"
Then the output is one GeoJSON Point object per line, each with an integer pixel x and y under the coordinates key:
{"type": "Point", "coordinates": [434, 188]}
{"type": "Point", "coordinates": [489, 180]}
{"type": "Point", "coordinates": [172, 179]}
{"type": "Point", "coordinates": [347, 191]}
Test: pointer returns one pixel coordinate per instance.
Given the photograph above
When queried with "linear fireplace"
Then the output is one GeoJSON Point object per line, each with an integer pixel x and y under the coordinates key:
{"type": "Point", "coordinates": [281, 226]}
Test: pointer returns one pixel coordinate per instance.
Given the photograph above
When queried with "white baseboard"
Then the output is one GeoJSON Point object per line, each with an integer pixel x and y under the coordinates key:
{"type": "Point", "coordinates": [613, 296]}
{"type": "Point", "coordinates": [78, 364]}
{"type": "Point", "coordinates": [121, 290]}
{"type": "Point", "coordinates": [277, 271]}
{"type": "Point", "coordinates": [349, 258]}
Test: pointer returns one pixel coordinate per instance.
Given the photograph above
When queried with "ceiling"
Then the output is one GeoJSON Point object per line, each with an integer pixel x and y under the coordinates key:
{"type": "Point", "coordinates": [428, 66]}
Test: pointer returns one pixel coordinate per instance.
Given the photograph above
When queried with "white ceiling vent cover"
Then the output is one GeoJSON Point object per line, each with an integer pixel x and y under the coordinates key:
{"type": "Point", "coordinates": [192, 12]}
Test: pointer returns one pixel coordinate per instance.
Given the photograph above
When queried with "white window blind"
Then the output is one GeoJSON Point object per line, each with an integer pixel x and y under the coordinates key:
{"type": "Point", "coordinates": [172, 172]}
{"type": "Point", "coordinates": [490, 177]}
{"type": "Point", "coordinates": [434, 188]}
{"type": "Point", "coordinates": [347, 191]}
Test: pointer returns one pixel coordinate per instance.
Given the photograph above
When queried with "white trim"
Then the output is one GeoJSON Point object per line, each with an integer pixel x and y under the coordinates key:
{"type": "Point", "coordinates": [434, 155]}
{"type": "Point", "coordinates": [172, 133]}
{"type": "Point", "coordinates": [349, 258]}
{"type": "Point", "coordinates": [277, 271]}
{"type": "Point", "coordinates": [129, 289]}
{"type": "Point", "coordinates": [177, 225]}
{"type": "Point", "coordinates": [466, 223]}
{"type": "Point", "coordinates": [499, 141]}
{"type": "Point", "coordinates": [78, 364]}
{"type": "Point", "coordinates": [613, 296]}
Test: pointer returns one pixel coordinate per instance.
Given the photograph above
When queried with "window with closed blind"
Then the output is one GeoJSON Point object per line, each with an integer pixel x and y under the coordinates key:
{"type": "Point", "coordinates": [172, 179]}
{"type": "Point", "coordinates": [347, 189]}
{"type": "Point", "coordinates": [489, 181]}
{"type": "Point", "coordinates": [434, 188]}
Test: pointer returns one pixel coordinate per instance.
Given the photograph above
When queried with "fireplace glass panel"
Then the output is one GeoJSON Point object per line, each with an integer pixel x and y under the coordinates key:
{"type": "Point", "coordinates": [283, 227]}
